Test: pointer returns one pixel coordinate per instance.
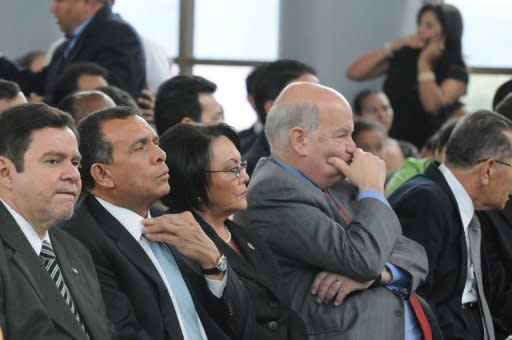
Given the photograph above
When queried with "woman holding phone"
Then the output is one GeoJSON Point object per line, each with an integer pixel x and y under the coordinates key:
{"type": "Point", "coordinates": [425, 72]}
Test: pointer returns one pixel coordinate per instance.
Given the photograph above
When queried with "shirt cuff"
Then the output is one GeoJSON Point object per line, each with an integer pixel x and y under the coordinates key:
{"type": "Point", "coordinates": [217, 286]}
{"type": "Point", "coordinates": [373, 194]}
{"type": "Point", "coordinates": [399, 277]}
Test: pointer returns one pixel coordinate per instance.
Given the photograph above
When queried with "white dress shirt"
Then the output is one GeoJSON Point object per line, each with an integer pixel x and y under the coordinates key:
{"type": "Point", "coordinates": [132, 222]}
{"type": "Point", "coordinates": [466, 210]}
{"type": "Point", "coordinates": [33, 238]}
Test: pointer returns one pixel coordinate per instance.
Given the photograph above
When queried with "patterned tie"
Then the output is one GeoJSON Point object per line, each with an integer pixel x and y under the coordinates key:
{"type": "Point", "coordinates": [179, 288]}
{"type": "Point", "coordinates": [49, 260]}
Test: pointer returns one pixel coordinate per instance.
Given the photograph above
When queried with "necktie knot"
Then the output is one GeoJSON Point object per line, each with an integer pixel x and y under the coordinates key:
{"type": "Point", "coordinates": [47, 253]}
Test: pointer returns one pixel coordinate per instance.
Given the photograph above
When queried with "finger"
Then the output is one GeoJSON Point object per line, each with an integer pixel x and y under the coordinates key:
{"type": "Point", "coordinates": [339, 164]}
{"type": "Point", "coordinates": [342, 292]}
{"type": "Point", "coordinates": [324, 287]}
{"type": "Point", "coordinates": [163, 237]}
{"type": "Point", "coordinates": [333, 290]}
{"type": "Point", "coordinates": [318, 280]}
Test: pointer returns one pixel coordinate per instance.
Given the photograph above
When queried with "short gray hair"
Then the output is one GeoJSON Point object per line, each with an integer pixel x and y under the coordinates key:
{"type": "Point", "coordinates": [283, 117]}
{"type": "Point", "coordinates": [479, 136]}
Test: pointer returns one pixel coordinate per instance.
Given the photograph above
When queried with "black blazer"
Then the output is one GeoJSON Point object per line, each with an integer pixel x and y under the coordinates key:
{"type": "Point", "coordinates": [496, 243]}
{"type": "Point", "coordinates": [107, 40]}
{"type": "Point", "coordinates": [136, 297]}
{"type": "Point", "coordinates": [261, 275]}
{"type": "Point", "coordinates": [31, 307]}
{"type": "Point", "coordinates": [259, 148]}
{"type": "Point", "coordinates": [429, 214]}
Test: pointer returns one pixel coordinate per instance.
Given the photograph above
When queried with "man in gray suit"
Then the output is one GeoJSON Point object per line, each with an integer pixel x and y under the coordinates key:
{"type": "Point", "coordinates": [333, 237]}
{"type": "Point", "coordinates": [48, 285]}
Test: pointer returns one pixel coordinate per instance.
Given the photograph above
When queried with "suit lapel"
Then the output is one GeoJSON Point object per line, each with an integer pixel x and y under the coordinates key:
{"type": "Point", "coordinates": [30, 264]}
{"type": "Point", "coordinates": [126, 244]}
{"type": "Point", "coordinates": [77, 287]}
{"type": "Point", "coordinates": [243, 267]}
{"type": "Point", "coordinates": [134, 252]}
{"type": "Point", "coordinates": [253, 259]}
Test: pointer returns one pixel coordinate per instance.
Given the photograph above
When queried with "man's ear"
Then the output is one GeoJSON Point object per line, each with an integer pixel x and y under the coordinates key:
{"type": "Point", "coordinates": [486, 171]}
{"type": "Point", "coordinates": [187, 120]}
{"type": "Point", "coordinates": [298, 139]}
{"type": "Point", "coordinates": [102, 176]}
{"type": "Point", "coordinates": [7, 170]}
{"type": "Point", "coordinates": [268, 105]}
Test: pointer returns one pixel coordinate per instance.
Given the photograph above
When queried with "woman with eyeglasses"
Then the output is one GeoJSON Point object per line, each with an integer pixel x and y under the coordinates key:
{"type": "Point", "coordinates": [208, 178]}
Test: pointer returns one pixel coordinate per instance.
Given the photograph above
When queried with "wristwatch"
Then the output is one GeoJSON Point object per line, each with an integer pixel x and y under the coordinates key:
{"type": "Point", "coordinates": [220, 267]}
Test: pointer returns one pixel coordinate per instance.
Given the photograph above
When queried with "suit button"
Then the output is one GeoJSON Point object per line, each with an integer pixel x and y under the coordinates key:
{"type": "Point", "coordinates": [274, 304]}
{"type": "Point", "coordinates": [272, 325]}
{"type": "Point", "coordinates": [399, 313]}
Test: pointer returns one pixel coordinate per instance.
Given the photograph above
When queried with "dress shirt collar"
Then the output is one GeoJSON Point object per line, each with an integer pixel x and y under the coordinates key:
{"type": "Point", "coordinates": [293, 171]}
{"type": "Point", "coordinates": [129, 219]}
{"type": "Point", "coordinates": [33, 238]}
{"type": "Point", "coordinates": [464, 202]}
{"type": "Point", "coordinates": [81, 27]}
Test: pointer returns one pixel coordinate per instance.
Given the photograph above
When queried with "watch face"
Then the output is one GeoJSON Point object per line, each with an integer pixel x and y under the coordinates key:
{"type": "Point", "coordinates": [223, 264]}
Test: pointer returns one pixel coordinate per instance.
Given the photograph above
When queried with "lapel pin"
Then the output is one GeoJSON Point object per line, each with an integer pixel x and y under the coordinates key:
{"type": "Point", "coordinates": [249, 244]}
{"type": "Point", "coordinates": [74, 270]}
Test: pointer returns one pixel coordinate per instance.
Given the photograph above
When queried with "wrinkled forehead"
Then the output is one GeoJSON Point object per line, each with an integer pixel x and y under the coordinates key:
{"type": "Point", "coordinates": [336, 115]}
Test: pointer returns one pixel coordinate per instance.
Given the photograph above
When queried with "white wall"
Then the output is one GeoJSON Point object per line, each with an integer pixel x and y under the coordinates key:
{"type": "Point", "coordinates": [329, 34]}
{"type": "Point", "coordinates": [26, 25]}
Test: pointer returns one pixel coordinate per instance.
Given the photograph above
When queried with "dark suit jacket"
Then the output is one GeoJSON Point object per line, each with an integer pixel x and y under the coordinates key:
{"type": "Point", "coordinates": [259, 148]}
{"type": "Point", "coordinates": [496, 243]}
{"type": "Point", "coordinates": [31, 307]}
{"type": "Point", "coordinates": [429, 214]}
{"type": "Point", "coordinates": [260, 273]}
{"type": "Point", "coordinates": [136, 297]}
{"type": "Point", "coordinates": [107, 40]}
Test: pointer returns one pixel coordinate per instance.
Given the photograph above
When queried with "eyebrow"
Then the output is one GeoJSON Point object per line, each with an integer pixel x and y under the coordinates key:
{"type": "Point", "coordinates": [345, 131]}
{"type": "Point", "coordinates": [61, 155]}
{"type": "Point", "coordinates": [143, 140]}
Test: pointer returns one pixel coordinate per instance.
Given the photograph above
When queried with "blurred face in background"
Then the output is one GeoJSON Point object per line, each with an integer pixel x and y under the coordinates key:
{"type": "Point", "coordinates": [429, 27]}
{"type": "Point", "coordinates": [376, 107]}
{"type": "Point", "coordinates": [371, 140]}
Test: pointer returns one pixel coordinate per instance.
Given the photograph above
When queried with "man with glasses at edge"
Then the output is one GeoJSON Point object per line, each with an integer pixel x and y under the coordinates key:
{"type": "Point", "coordinates": [437, 209]}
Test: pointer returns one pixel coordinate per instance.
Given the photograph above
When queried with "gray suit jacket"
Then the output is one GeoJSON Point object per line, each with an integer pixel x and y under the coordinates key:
{"type": "Point", "coordinates": [31, 306]}
{"type": "Point", "coordinates": [307, 233]}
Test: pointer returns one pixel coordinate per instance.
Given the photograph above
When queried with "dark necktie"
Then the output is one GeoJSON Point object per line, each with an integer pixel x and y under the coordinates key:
{"type": "Point", "coordinates": [474, 235]}
{"type": "Point", "coordinates": [49, 260]}
{"type": "Point", "coordinates": [338, 207]}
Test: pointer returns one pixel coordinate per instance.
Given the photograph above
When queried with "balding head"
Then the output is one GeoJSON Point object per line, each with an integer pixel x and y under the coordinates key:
{"type": "Point", "coordinates": [81, 104]}
{"type": "Point", "coordinates": [10, 94]}
{"type": "Point", "coordinates": [308, 124]}
{"type": "Point", "coordinates": [300, 104]}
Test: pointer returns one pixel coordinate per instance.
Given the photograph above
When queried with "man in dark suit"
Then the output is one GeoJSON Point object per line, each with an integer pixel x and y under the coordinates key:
{"type": "Point", "coordinates": [437, 209]}
{"type": "Point", "coordinates": [157, 284]}
{"type": "Point", "coordinates": [270, 81]}
{"type": "Point", "coordinates": [93, 33]}
{"type": "Point", "coordinates": [188, 100]}
{"type": "Point", "coordinates": [48, 285]}
{"type": "Point", "coordinates": [331, 236]}
{"type": "Point", "coordinates": [496, 241]}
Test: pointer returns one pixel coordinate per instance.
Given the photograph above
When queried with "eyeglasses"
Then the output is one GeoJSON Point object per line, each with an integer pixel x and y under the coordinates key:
{"type": "Point", "coordinates": [237, 170]}
{"type": "Point", "coordinates": [497, 161]}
